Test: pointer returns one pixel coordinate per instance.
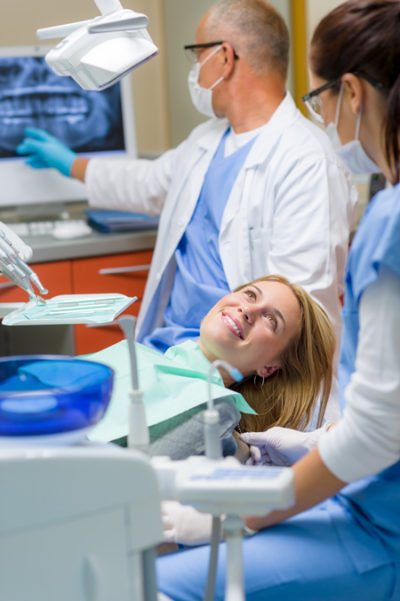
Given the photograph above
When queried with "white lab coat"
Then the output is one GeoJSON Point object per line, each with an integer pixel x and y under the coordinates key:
{"type": "Point", "coordinates": [289, 211]}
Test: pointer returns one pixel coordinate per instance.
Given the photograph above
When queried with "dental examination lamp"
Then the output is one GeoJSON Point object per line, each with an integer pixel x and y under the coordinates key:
{"type": "Point", "coordinates": [97, 53]}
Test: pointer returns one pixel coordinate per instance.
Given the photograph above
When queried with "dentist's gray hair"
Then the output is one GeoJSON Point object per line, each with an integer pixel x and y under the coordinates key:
{"type": "Point", "coordinates": [256, 31]}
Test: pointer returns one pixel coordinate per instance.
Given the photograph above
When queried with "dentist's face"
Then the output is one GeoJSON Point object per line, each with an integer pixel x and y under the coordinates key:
{"type": "Point", "coordinates": [251, 327]}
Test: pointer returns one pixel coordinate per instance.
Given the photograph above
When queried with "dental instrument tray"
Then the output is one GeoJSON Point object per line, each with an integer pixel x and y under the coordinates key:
{"type": "Point", "coordinates": [70, 309]}
{"type": "Point", "coordinates": [43, 395]}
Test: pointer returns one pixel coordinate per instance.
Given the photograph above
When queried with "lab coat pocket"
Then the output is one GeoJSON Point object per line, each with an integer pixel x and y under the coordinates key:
{"type": "Point", "coordinates": [260, 238]}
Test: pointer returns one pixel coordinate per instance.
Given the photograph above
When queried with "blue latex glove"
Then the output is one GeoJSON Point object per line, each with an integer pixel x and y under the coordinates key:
{"type": "Point", "coordinates": [45, 150]}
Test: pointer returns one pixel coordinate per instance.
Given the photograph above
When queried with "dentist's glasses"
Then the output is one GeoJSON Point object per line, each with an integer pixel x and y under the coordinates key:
{"type": "Point", "coordinates": [193, 51]}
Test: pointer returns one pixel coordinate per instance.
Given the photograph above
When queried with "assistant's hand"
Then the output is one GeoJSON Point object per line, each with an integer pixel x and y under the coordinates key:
{"type": "Point", "coordinates": [280, 446]}
{"type": "Point", "coordinates": [45, 150]}
{"type": "Point", "coordinates": [184, 524]}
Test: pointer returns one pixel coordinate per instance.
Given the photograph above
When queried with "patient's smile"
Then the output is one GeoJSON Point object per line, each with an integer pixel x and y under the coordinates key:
{"type": "Point", "coordinates": [233, 325]}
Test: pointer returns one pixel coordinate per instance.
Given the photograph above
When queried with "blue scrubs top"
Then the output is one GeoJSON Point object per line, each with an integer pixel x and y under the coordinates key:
{"type": "Point", "coordinates": [200, 279]}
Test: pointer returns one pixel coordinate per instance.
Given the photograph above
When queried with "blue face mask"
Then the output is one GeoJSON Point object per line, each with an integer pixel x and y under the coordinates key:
{"type": "Point", "coordinates": [352, 154]}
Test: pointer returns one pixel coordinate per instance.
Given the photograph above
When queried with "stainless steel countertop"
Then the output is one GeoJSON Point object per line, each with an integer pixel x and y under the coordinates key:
{"type": "Point", "coordinates": [47, 248]}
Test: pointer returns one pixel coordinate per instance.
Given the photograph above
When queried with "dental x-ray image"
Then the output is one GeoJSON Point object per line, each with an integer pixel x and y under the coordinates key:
{"type": "Point", "coordinates": [32, 95]}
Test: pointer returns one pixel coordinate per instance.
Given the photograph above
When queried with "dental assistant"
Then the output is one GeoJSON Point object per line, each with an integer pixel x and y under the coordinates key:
{"type": "Point", "coordinates": [255, 190]}
{"type": "Point", "coordinates": [348, 546]}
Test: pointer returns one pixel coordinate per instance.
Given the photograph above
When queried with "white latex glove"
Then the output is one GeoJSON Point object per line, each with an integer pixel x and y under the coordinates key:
{"type": "Point", "coordinates": [280, 446]}
{"type": "Point", "coordinates": [184, 524]}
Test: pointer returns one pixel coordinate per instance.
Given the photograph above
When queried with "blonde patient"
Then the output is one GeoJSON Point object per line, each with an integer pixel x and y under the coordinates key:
{"type": "Point", "coordinates": [283, 343]}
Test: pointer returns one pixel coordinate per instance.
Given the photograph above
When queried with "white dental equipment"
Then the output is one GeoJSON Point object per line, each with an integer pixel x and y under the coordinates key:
{"type": "Point", "coordinates": [224, 487]}
{"type": "Point", "coordinates": [13, 256]}
{"type": "Point", "coordinates": [84, 521]}
{"type": "Point", "coordinates": [97, 53]}
{"type": "Point", "coordinates": [138, 432]}
{"type": "Point", "coordinates": [94, 309]}
{"type": "Point", "coordinates": [211, 416]}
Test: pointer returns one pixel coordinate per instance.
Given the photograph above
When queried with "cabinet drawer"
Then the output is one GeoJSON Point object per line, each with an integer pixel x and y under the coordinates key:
{"type": "Point", "coordinates": [126, 273]}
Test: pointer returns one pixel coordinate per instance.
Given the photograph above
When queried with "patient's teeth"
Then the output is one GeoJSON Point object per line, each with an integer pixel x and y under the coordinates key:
{"type": "Point", "coordinates": [232, 323]}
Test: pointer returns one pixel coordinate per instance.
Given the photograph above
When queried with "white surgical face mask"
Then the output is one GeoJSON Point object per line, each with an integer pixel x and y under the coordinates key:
{"type": "Point", "coordinates": [202, 97]}
{"type": "Point", "coordinates": [352, 154]}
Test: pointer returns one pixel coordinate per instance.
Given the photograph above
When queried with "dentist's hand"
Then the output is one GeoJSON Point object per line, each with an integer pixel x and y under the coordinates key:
{"type": "Point", "coordinates": [184, 524]}
{"type": "Point", "coordinates": [281, 446]}
{"type": "Point", "coordinates": [45, 150]}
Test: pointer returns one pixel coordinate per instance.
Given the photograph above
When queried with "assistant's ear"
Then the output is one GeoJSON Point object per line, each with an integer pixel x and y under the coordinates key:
{"type": "Point", "coordinates": [355, 91]}
{"type": "Point", "coordinates": [267, 370]}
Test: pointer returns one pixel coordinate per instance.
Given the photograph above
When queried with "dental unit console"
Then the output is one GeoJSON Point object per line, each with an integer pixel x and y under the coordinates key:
{"type": "Point", "coordinates": [211, 484]}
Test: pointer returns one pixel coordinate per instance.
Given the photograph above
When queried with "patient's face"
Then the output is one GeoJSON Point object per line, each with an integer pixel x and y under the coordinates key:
{"type": "Point", "coordinates": [250, 328]}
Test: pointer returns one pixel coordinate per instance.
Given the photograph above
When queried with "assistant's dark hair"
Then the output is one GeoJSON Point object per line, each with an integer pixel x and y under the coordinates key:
{"type": "Point", "coordinates": [364, 36]}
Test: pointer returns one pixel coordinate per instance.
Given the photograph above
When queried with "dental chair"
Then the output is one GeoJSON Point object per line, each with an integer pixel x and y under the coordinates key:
{"type": "Point", "coordinates": [78, 524]}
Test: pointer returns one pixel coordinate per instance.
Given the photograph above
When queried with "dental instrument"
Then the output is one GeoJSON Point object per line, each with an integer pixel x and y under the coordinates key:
{"type": "Point", "coordinates": [211, 416]}
{"type": "Point", "coordinates": [138, 433]}
{"type": "Point", "coordinates": [13, 254]}
{"type": "Point", "coordinates": [98, 52]}
{"type": "Point", "coordinates": [93, 309]}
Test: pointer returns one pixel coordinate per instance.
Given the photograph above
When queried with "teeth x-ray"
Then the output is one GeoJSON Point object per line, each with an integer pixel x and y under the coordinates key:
{"type": "Point", "coordinates": [32, 95]}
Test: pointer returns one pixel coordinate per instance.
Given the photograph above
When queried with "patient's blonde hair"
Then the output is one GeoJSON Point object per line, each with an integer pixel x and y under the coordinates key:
{"type": "Point", "coordinates": [290, 396]}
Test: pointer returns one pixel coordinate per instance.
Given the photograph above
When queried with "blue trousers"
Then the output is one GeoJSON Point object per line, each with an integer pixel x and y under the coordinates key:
{"type": "Point", "coordinates": [301, 559]}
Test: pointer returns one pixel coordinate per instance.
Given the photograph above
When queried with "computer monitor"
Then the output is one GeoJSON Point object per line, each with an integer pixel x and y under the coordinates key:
{"type": "Point", "coordinates": [91, 123]}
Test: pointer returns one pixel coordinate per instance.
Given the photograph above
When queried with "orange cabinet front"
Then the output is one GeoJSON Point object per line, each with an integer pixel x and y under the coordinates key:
{"type": "Point", "coordinates": [126, 274]}
{"type": "Point", "coordinates": [57, 277]}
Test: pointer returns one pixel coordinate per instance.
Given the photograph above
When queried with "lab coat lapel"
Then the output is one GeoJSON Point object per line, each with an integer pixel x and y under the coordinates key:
{"type": "Point", "coordinates": [238, 217]}
{"type": "Point", "coordinates": [177, 214]}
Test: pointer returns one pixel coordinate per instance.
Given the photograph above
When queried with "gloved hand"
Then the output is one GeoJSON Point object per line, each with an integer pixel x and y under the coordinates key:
{"type": "Point", "coordinates": [45, 150]}
{"type": "Point", "coordinates": [184, 524]}
{"type": "Point", "coordinates": [280, 446]}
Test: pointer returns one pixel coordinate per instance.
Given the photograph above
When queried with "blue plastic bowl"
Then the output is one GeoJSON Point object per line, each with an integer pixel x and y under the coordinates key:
{"type": "Point", "coordinates": [51, 394]}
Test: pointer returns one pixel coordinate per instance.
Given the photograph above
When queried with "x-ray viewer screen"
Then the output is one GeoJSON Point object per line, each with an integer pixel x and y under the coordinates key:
{"type": "Point", "coordinates": [91, 123]}
{"type": "Point", "coordinates": [32, 95]}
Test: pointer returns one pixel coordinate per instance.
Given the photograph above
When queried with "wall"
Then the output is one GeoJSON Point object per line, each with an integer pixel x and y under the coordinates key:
{"type": "Point", "coordinates": [316, 9]}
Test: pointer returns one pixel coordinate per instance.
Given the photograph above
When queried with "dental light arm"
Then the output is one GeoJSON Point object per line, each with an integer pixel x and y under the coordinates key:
{"type": "Point", "coordinates": [97, 53]}
{"type": "Point", "coordinates": [13, 254]}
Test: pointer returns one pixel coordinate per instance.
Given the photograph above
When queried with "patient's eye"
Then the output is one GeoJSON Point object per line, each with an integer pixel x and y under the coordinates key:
{"type": "Point", "coordinates": [250, 293]}
{"type": "Point", "coordinates": [272, 320]}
